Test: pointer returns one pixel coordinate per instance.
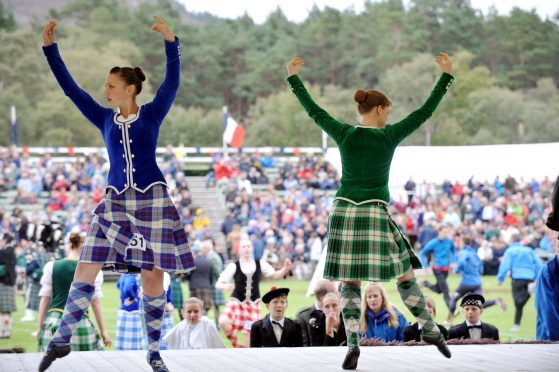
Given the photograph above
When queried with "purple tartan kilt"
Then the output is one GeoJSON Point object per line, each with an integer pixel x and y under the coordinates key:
{"type": "Point", "coordinates": [152, 215]}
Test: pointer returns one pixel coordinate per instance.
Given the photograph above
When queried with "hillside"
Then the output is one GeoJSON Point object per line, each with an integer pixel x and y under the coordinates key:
{"type": "Point", "coordinates": [25, 11]}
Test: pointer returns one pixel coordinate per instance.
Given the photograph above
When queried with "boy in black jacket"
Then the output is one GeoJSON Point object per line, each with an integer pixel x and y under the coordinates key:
{"type": "Point", "coordinates": [275, 330]}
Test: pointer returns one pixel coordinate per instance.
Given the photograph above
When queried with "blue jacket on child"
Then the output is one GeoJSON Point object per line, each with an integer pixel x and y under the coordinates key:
{"type": "Point", "coordinates": [377, 326]}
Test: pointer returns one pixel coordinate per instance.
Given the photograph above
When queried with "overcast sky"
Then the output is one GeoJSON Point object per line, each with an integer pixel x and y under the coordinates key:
{"type": "Point", "coordinates": [297, 10]}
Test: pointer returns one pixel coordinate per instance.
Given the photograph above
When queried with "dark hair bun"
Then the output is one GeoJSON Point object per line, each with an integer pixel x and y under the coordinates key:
{"type": "Point", "coordinates": [76, 239]}
{"type": "Point", "coordinates": [360, 96]}
{"type": "Point", "coordinates": [140, 73]}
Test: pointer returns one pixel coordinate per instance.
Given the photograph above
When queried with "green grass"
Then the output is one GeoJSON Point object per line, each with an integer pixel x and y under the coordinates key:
{"type": "Point", "coordinates": [21, 333]}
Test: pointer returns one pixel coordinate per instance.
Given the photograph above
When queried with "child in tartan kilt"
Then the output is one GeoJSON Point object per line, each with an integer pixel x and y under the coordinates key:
{"type": "Point", "coordinates": [55, 284]}
{"type": "Point", "coordinates": [136, 228]}
{"type": "Point", "coordinates": [243, 278]}
{"type": "Point", "coordinates": [129, 332]}
{"type": "Point", "coordinates": [364, 243]}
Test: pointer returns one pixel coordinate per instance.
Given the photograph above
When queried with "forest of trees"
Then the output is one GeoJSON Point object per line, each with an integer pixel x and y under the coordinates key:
{"type": "Point", "coordinates": [506, 69]}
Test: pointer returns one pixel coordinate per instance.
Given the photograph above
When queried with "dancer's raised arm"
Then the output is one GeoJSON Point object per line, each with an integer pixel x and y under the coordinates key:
{"type": "Point", "coordinates": [168, 90]}
{"type": "Point", "coordinates": [334, 128]}
{"type": "Point", "coordinates": [87, 105]}
{"type": "Point", "coordinates": [414, 120]}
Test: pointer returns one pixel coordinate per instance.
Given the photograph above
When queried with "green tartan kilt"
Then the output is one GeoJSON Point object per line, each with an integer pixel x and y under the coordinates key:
{"type": "Point", "coordinates": [84, 338]}
{"type": "Point", "coordinates": [364, 243]}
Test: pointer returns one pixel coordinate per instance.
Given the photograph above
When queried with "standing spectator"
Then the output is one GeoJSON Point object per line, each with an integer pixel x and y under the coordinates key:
{"type": "Point", "coordinates": [243, 278]}
{"type": "Point", "coordinates": [321, 288]}
{"type": "Point", "coordinates": [470, 267]}
{"type": "Point", "coordinates": [200, 280]}
{"type": "Point", "coordinates": [523, 265]}
{"type": "Point", "coordinates": [7, 284]}
{"type": "Point", "coordinates": [217, 264]}
{"type": "Point", "coordinates": [444, 253]}
{"type": "Point", "coordinates": [37, 258]}
{"type": "Point", "coordinates": [547, 300]}
{"type": "Point", "coordinates": [410, 187]}
{"type": "Point", "coordinates": [129, 334]}
{"type": "Point", "coordinates": [55, 286]}
{"type": "Point", "coordinates": [379, 319]}
{"type": "Point", "coordinates": [427, 232]}
{"type": "Point", "coordinates": [177, 296]}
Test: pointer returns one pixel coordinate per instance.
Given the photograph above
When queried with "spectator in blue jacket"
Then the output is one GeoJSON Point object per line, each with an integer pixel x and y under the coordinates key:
{"type": "Point", "coordinates": [523, 264]}
{"type": "Point", "coordinates": [379, 319]}
{"type": "Point", "coordinates": [547, 300]}
{"type": "Point", "coordinates": [444, 253]}
{"type": "Point", "coordinates": [470, 268]}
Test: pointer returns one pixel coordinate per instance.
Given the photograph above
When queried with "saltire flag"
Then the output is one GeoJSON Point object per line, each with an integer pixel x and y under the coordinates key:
{"type": "Point", "coordinates": [13, 125]}
{"type": "Point", "coordinates": [234, 134]}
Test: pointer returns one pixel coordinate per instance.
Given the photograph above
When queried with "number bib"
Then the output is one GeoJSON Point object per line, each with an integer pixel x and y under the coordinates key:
{"type": "Point", "coordinates": [137, 242]}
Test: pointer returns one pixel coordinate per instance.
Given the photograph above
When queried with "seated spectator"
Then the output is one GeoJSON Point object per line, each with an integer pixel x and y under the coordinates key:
{"type": "Point", "coordinates": [379, 319]}
{"type": "Point", "coordinates": [326, 325]}
{"type": "Point", "coordinates": [195, 331]}
{"type": "Point", "coordinates": [473, 328]}
{"type": "Point", "coordinates": [321, 288]}
{"type": "Point", "coordinates": [200, 220]}
{"type": "Point", "coordinates": [413, 331]}
{"type": "Point", "coordinates": [276, 330]}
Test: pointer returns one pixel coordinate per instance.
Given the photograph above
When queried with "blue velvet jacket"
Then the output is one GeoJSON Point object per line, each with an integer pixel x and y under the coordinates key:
{"type": "Point", "coordinates": [131, 142]}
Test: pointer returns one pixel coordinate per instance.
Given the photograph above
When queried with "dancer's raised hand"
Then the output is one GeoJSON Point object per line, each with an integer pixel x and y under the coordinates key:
{"type": "Point", "coordinates": [163, 28]}
{"type": "Point", "coordinates": [48, 33]}
{"type": "Point", "coordinates": [444, 62]}
{"type": "Point", "coordinates": [294, 66]}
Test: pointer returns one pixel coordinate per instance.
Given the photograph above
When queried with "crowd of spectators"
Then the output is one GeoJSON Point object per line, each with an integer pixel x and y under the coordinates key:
{"type": "Point", "coordinates": [281, 203]}
{"type": "Point", "coordinates": [41, 191]}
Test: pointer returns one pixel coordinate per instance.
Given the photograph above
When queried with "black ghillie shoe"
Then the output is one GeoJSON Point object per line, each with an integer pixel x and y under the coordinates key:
{"type": "Point", "coordinates": [157, 365]}
{"type": "Point", "coordinates": [351, 358]}
{"type": "Point", "coordinates": [439, 342]}
{"type": "Point", "coordinates": [53, 352]}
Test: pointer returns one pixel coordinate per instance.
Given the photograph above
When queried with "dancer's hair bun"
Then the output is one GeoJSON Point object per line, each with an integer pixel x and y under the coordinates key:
{"type": "Point", "coordinates": [360, 96]}
{"type": "Point", "coordinates": [140, 73]}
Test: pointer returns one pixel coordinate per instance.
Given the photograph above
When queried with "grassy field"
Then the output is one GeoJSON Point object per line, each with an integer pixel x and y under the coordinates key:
{"type": "Point", "coordinates": [21, 333]}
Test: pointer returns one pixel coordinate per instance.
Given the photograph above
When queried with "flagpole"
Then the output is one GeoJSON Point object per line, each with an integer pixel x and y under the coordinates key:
{"type": "Point", "coordinates": [223, 143]}
{"type": "Point", "coordinates": [13, 125]}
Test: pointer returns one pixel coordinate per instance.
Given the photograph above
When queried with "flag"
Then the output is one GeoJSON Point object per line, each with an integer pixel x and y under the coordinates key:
{"type": "Point", "coordinates": [234, 134]}
{"type": "Point", "coordinates": [13, 125]}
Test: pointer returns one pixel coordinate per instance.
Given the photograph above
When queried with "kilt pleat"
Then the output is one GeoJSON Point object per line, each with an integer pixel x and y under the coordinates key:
{"type": "Point", "coordinates": [7, 298]}
{"type": "Point", "coordinates": [129, 333]}
{"type": "Point", "coordinates": [32, 298]}
{"type": "Point", "coordinates": [84, 338]}
{"type": "Point", "coordinates": [364, 243]}
{"type": "Point", "coordinates": [120, 218]}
